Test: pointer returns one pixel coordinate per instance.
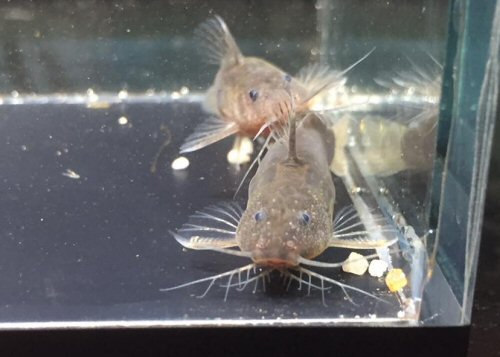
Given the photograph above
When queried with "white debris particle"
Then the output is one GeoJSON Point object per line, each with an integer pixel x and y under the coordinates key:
{"type": "Point", "coordinates": [24, 148]}
{"type": "Point", "coordinates": [236, 157]}
{"type": "Point", "coordinates": [122, 120]}
{"type": "Point", "coordinates": [92, 96]}
{"type": "Point", "coordinates": [401, 314]}
{"type": "Point", "coordinates": [175, 95]}
{"type": "Point", "coordinates": [377, 268]}
{"type": "Point", "coordinates": [122, 94]}
{"type": "Point", "coordinates": [241, 152]}
{"type": "Point", "coordinates": [355, 264]}
{"type": "Point", "coordinates": [184, 90]}
{"type": "Point", "coordinates": [181, 163]}
{"type": "Point", "coordinates": [71, 174]}
{"type": "Point", "coordinates": [246, 145]}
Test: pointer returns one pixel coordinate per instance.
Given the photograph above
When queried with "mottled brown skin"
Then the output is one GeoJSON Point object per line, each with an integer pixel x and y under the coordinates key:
{"type": "Point", "coordinates": [273, 228]}
{"type": "Point", "coordinates": [278, 94]}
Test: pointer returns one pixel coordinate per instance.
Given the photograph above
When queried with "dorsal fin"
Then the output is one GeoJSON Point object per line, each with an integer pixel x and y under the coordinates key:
{"type": "Point", "coordinates": [217, 44]}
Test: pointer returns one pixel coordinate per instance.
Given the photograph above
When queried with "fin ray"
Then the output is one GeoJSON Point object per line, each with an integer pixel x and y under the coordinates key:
{"type": "Point", "coordinates": [202, 243]}
{"type": "Point", "coordinates": [211, 130]}
{"type": "Point", "coordinates": [360, 242]}
{"type": "Point", "coordinates": [213, 227]}
{"type": "Point", "coordinates": [216, 43]}
{"type": "Point", "coordinates": [346, 232]}
{"type": "Point", "coordinates": [319, 78]}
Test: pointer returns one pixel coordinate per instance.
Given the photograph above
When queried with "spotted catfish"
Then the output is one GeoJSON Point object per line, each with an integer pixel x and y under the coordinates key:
{"type": "Point", "coordinates": [289, 216]}
{"type": "Point", "coordinates": [249, 94]}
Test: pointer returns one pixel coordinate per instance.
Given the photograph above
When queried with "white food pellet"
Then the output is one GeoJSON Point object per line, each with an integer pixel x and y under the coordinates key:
{"type": "Point", "coordinates": [241, 153]}
{"type": "Point", "coordinates": [377, 268]}
{"type": "Point", "coordinates": [246, 145]}
{"type": "Point", "coordinates": [180, 163]}
{"type": "Point", "coordinates": [122, 94]}
{"type": "Point", "coordinates": [237, 157]}
{"type": "Point", "coordinates": [355, 264]}
{"type": "Point", "coordinates": [122, 120]}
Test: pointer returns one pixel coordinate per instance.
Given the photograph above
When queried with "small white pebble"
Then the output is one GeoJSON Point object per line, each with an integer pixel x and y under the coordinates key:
{"type": "Point", "coordinates": [401, 314]}
{"type": "Point", "coordinates": [377, 268]}
{"type": "Point", "coordinates": [355, 264]}
{"type": "Point", "coordinates": [122, 120]}
{"type": "Point", "coordinates": [181, 163]}
{"type": "Point", "coordinates": [184, 90]}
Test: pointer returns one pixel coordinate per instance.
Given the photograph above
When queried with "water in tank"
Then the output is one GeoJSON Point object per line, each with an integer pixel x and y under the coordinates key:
{"type": "Point", "coordinates": [271, 163]}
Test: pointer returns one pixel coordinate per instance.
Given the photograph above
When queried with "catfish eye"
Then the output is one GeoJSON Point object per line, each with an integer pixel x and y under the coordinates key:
{"type": "Point", "coordinates": [304, 218]}
{"type": "Point", "coordinates": [260, 216]}
{"type": "Point", "coordinates": [253, 95]}
{"type": "Point", "coordinates": [288, 77]}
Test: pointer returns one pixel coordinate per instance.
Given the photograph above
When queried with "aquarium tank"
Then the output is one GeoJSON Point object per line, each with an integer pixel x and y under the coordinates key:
{"type": "Point", "coordinates": [106, 223]}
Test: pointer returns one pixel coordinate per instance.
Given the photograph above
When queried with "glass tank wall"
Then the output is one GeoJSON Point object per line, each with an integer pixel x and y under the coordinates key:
{"type": "Point", "coordinates": [97, 99]}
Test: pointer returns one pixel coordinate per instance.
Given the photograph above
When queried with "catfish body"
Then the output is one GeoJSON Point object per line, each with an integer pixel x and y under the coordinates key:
{"type": "Point", "coordinates": [289, 212]}
{"type": "Point", "coordinates": [250, 93]}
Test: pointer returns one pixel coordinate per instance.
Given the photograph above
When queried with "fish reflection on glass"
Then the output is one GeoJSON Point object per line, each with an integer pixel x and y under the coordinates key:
{"type": "Point", "coordinates": [404, 142]}
{"type": "Point", "coordinates": [289, 217]}
{"type": "Point", "coordinates": [250, 94]}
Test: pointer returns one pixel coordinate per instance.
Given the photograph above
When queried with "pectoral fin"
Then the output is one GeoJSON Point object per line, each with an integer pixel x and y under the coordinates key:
{"type": "Point", "coordinates": [200, 242]}
{"type": "Point", "coordinates": [350, 232]}
{"type": "Point", "coordinates": [320, 78]}
{"type": "Point", "coordinates": [317, 78]}
{"type": "Point", "coordinates": [213, 227]}
{"type": "Point", "coordinates": [213, 129]}
{"type": "Point", "coordinates": [361, 242]}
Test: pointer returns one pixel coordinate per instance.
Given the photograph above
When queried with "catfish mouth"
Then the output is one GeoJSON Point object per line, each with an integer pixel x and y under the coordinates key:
{"type": "Point", "coordinates": [275, 263]}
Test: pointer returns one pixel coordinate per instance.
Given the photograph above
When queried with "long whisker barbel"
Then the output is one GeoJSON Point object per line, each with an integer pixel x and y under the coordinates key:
{"type": "Point", "coordinates": [212, 280]}
{"type": "Point", "coordinates": [343, 286]}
